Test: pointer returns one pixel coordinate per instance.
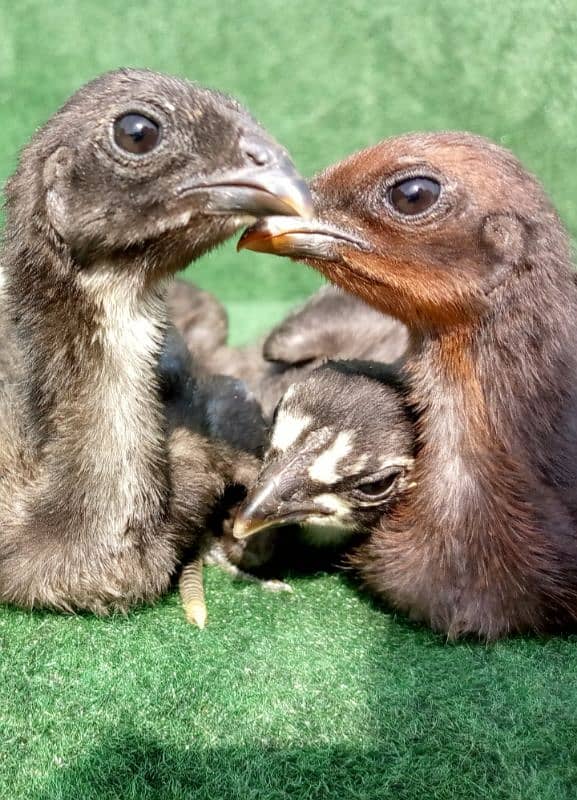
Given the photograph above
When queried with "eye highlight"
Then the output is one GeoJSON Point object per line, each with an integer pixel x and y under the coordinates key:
{"type": "Point", "coordinates": [136, 134]}
{"type": "Point", "coordinates": [413, 196]}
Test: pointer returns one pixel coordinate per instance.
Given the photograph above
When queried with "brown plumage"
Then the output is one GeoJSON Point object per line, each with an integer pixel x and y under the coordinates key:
{"type": "Point", "coordinates": [330, 324]}
{"type": "Point", "coordinates": [451, 235]}
{"type": "Point", "coordinates": [134, 177]}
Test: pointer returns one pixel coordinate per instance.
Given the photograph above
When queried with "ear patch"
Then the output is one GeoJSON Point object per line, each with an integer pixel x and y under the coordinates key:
{"type": "Point", "coordinates": [55, 169]}
{"type": "Point", "coordinates": [324, 468]}
{"type": "Point", "coordinates": [504, 235]}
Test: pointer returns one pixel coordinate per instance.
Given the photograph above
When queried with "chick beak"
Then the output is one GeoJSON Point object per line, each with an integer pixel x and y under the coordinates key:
{"type": "Point", "coordinates": [297, 238]}
{"type": "Point", "coordinates": [267, 184]}
{"type": "Point", "coordinates": [265, 508]}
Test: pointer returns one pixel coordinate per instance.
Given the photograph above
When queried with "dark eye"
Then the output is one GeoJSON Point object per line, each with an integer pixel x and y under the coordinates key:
{"type": "Point", "coordinates": [414, 195]}
{"type": "Point", "coordinates": [380, 489]}
{"type": "Point", "coordinates": [136, 134]}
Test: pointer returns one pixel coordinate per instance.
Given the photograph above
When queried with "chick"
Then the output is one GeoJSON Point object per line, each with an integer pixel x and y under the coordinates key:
{"type": "Point", "coordinates": [449, 233]}
{"type": "Point", "coordinates": [340, 458]}
{"type": "Point", "coordinates": [138, 174]}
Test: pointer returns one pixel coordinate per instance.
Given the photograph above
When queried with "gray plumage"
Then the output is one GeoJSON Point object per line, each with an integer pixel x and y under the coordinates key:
{"type": "Point", "coordinates": [134, 177]}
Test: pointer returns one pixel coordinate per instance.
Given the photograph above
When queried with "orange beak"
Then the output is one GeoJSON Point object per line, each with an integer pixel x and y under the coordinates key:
{"type": "Point", "coordinates": [297, 238]}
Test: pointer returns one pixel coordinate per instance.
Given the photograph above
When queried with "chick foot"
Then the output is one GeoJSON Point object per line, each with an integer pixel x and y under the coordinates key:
{"type": "Point", "coordinates": [218, 558]}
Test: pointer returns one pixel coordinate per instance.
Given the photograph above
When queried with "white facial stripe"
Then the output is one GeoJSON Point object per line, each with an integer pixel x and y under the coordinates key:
{"type": "Point", "coordinates": [289, 392]}
{"type": "Point", "coordinates": [287, 430]}
{"type": "Point", "coordinates": [334, 503]}
{"type": "Point", "coordinates": [323, 470]}
{"type": "Point", "coordinates": [407, 462]}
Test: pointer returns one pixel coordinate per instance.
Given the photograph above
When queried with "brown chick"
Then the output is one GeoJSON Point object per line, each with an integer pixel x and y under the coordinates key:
{"type": "Point", "coordinates": [137, 174]}
{"type": "Point", "coordinates": [449, 233]}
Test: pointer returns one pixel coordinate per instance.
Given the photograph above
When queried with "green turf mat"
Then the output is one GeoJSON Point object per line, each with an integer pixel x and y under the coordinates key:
{"type": "Point", "coordinates": [318, 695]}
{"type": "Point", "coordinates": [313, 695]}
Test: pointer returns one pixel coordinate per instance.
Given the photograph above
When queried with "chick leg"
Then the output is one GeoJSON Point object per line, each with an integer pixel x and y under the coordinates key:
{"type": "Point", "coordinates": [192, 593]}
{"type": "Point", "coordinates": [191, 585]}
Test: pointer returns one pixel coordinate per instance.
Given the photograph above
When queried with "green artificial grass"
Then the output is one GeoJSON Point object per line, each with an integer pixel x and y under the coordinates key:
{"type": "Point", "coordinates": [320, 694]}
{"type": "Point", "coordinates": [315, 695]}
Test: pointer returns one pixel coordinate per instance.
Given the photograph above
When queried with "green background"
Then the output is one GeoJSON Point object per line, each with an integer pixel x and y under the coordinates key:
{"type": "Point", "coordinates": [320, 694]}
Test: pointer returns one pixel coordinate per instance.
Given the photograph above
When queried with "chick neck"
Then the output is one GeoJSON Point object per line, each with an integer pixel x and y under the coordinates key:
{"type": "Point", "coordinates": [88, 340]}
{"type": "Point", "coordinates": [502, 388]}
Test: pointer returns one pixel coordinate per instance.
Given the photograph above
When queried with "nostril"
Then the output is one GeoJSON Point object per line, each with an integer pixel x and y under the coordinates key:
{"type": "Point", "coordinates": [257, 154]}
